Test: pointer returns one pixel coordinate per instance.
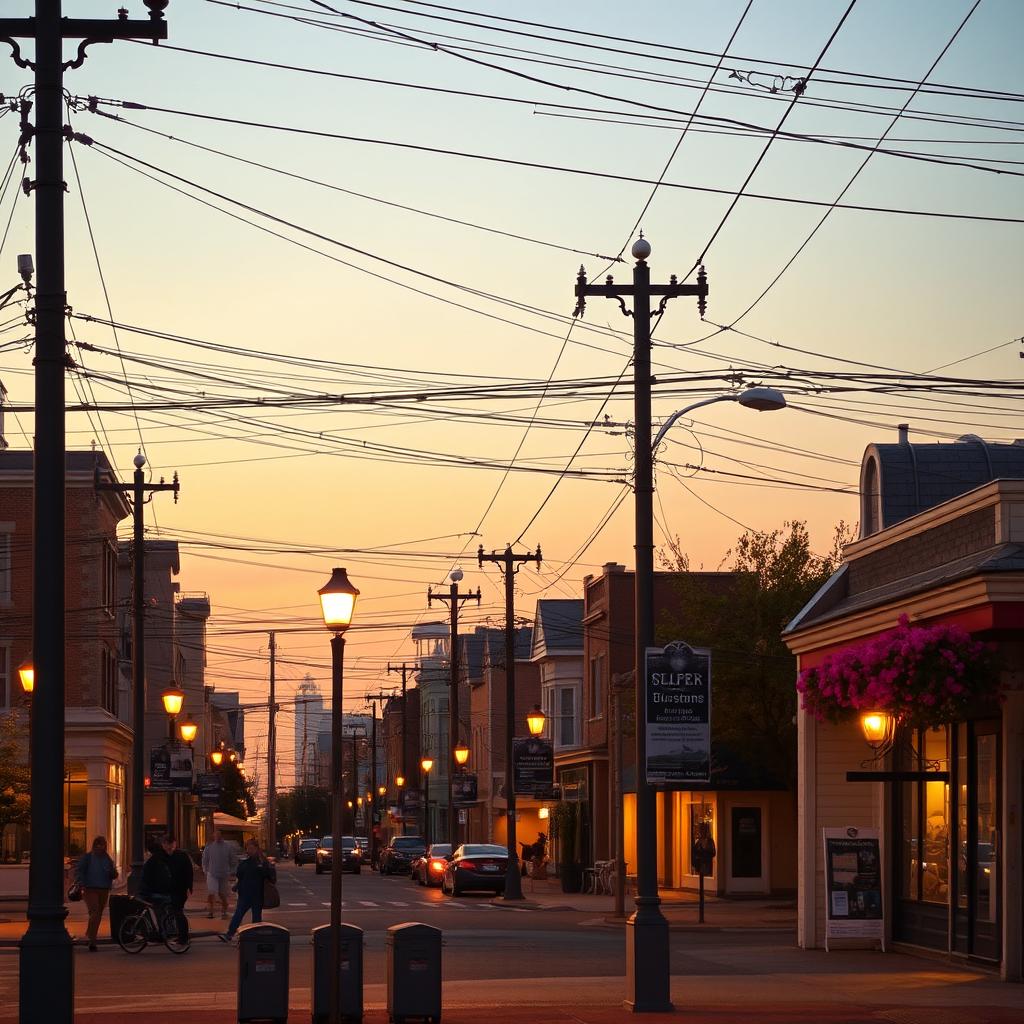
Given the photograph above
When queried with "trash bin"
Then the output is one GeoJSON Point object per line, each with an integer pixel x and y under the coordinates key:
{"type": "Point", "coordinates": [120, 908]}
{"type": "Point", "coordinates": [263, 973]}
{"type": "Point", "coordinates": [350, 970]}
{"type": "Point", "coordinates": [413, 954]}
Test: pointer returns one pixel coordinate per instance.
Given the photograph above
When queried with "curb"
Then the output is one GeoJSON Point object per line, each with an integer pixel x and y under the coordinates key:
{"type": "Point", "coordinates": [15, 943]}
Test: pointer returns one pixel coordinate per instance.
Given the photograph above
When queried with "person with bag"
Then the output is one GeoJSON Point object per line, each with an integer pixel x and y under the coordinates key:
{"type": "Point", "coordinates": [255, 880]}
{"type": "Point", "coordinates": [94, 877]}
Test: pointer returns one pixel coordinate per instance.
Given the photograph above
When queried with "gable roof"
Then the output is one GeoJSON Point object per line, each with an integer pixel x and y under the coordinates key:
{"type": "Point", "coordinates": [558, 626]}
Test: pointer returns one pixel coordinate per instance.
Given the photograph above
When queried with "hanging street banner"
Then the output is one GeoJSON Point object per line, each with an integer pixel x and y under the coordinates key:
{"type": "Point", "coordinates": [853, 884]}
{"type": "Point", "coordinates": [208, 788]}
{"type": "Point", "coordinates": [464, 788]}
{"type": "Point", "coordinates": [678, 714]}
{"type": "Point", "coordinates": [533, 767]}
{"type": "Point", "coordinates": [170, 768]}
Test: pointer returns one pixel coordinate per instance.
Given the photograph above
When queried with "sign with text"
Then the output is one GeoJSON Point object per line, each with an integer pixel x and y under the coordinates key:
{"type": "Point", "coordinates": [170, 768]}
{"type": "Point", "coordinates": [678, 714]}
{"type": "Point", "coordinates": [533, 766]}
{"type": "Point", "coordinates": [208, 788]}
{"type": "Point", "coordinates": [853, 884]}
{"type": "Point", "coordinates": [464, 788]}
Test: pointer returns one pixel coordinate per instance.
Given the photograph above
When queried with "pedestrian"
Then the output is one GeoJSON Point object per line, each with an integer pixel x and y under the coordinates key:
{"type": "Point", "coordinates": [219, 859]}
{"type": "Point", "coordinates": [182, 877]}
{"type": "Point", "coordinates": [95, 874]}
{"type": "Point", "coordinates": [157, 881]}
{"type": "Point", "coordinates": [252, 873]}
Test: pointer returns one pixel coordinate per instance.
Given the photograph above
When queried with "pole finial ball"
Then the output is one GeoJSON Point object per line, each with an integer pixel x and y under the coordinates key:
{"type": "Point", "coordinates": [641, 248]}
{"type": "Point", "coordinates": [139, 460]}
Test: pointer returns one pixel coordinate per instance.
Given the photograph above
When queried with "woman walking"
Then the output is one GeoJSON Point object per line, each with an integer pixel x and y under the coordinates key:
{"type": "Point", "coordinates": [252, 874]}
{"type": "Point", "coordinates": [96, 873]}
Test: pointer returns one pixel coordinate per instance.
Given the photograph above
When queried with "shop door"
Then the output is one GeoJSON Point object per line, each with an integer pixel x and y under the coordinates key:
{"type": "Point", "coordinates": [984, 868]}
{"type": "Point", "coordinates": [746, 857]}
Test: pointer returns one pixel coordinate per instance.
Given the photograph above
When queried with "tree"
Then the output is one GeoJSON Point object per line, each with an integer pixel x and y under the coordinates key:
{"type": "Point", "coordinates": [15, 805]}
{"type": "Point", "coordinates": [753, 702]}
{"type": "Point", "coordinates": [236, 793]}
{"type": "Point", "coordinates": [305, 808]}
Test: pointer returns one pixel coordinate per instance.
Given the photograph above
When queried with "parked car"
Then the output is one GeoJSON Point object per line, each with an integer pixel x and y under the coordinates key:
{"type": "Point", "coordinates": [305, 852]}
{"type": "Point", "coordinates": [350, 857]}
{"type": "Point", "coordinates": [398, 857]}
{"type": "Point", "coordinates": [364, 848]}
{"type": "Point", "coordinates": [428, 869]}
{"type": "Point", "coordinates": [475, 866]}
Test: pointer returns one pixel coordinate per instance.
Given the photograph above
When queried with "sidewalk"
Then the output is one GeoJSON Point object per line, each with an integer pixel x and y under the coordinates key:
{"type": "Point", "coordinates": [768, 913]}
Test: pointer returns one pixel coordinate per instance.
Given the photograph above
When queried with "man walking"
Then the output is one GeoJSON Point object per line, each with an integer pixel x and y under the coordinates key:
{"type": "Point", "coordinates": [219, 859]}
{"type": "Point", "coordinates": [182, 877]}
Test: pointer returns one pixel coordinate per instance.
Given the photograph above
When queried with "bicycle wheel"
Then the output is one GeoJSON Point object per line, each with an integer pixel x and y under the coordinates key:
{"type": "Point", "coordinates": [169, 930]}
{"type": "Point", "coordinates": [133, 933]}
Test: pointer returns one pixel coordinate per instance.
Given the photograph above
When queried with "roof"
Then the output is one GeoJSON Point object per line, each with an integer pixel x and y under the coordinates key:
{"type": "Point", "coordinates": [916, 477]}
{"type": "Point", "coordinates": [558, 626]}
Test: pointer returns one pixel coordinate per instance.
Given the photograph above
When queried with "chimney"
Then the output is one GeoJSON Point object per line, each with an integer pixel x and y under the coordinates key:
{"type": "Point", "coordinates": [610, 567]}
{"type": "Point", "coordinates": [904, 432]}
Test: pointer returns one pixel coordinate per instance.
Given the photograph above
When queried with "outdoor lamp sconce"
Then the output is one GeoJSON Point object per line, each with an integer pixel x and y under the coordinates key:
{"type": "Point", "coordinates": [399, 780]}
{"type": "Point", "coordinates": [173, 700]}
{"type": "Point", "coordinates": [383, 789]}
{"type": "Point", "coordinates": [461, 755]}
{"type": "Point", "coordinates": [879, 728]}
{"type": "Point", "coordinates": [427, 763]}
{"type": "Point", "coordinates": [233, 758]}
{"type": "Point", "coordinates": [338, 601]}
{"type": "Point", "coordinates": [217, 756]}
{"type": "Point", "coordinates": [543, 813]}
{"type": "Point", "coordinates": [535, 720]}
{"type": "Point", "coordinates": [188, 731]}
{"type": "Point", "coordinates": [27, 675]}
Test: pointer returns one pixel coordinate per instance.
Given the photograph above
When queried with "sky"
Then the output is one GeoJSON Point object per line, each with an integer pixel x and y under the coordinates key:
{"type": "Point", "coordinates": [251, 298]}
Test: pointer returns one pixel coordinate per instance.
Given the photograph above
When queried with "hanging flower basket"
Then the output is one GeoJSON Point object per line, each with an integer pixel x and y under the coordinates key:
{"type": "Point", "coordinates": [922, 675]}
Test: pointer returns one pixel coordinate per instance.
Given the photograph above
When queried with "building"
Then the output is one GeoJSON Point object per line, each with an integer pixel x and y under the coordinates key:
{"type": "Point", "coordinates": [311, 718]}
{"type": "Point", "coordinates": [942, 543]}
{"type": "Point", "coordinates": [228, 721]}
{"type": "Point", "coordinates": [192, 611]}
{"type": "Point", "coordinates": [98, 736]}
{"type": "Point", "coordinates": [400, 723]}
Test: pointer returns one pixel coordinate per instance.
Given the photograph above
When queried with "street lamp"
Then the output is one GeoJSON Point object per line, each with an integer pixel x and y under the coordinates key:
{"type": "Point", "coordinates": [173, 699]}
{"type": "Point", "coordinates": [426, 764]}
{"type": "Point", "coordinates": [461, 753]}
{"type": "Point", "coordinates": [536, 720]}
{"type": "Point", "coordinates": [188, 732]}
{"type": "Point", "coordinates": [27, 676]}
{"type": "Point", "coordinates": [879, 728]}
{"type": "Point", "coordinates": [216, 757]}
{"type": "Point", "coordinates": [337, 604]}
{"type": "Point", "coordinates": [382, 790]}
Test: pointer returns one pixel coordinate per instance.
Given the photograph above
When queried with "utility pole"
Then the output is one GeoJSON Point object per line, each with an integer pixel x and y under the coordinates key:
{"type": "Point", "coordinates": [138, 489]}
{"type": "Point", "coordinates": [376, 811]}
{"type": "Point", "coordinates": [404, 669]}
{"type": "Point", "coordinates": [46, 967]}
{"type": "Point", "coordinates": [453, 598]}
{"type": "Point", "coordinates": [508, 561]}
{"type": "Point", "coordinates": [272, 752]}
{"type": "Point", "coordinates": [647, 936]}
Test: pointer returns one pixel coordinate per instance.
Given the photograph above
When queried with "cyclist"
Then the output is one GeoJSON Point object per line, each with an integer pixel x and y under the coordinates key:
{"type": "Point", "coordinates": [182, 873]}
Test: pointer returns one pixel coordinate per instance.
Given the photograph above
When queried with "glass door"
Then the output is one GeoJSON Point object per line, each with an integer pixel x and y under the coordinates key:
{"type": "Point", "coordinates": [983, 860]}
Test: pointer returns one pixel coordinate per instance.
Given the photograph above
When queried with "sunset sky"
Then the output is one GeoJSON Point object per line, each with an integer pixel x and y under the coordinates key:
{"type": "Point", "coordinates": [357, 266]}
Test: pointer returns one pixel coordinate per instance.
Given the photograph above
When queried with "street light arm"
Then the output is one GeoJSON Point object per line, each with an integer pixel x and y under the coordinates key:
{"type": "Point", "coordinates": [670, 422]}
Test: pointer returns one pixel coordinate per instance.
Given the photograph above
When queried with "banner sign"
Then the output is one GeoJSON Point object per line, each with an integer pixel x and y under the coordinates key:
{"type": "Point", "coordinates": [412, 801]}
{"type": "Point", "coordinates": [170, 768]}
{"type": "Point", "coordinates": [208, 788]}
{"type": "Point", "coordinates": [464, 788]}
{"type": "Point", "coordinates": [853, 884]}
{"type": "Point", "coordinates": [533, 766]}
{"type": "Point", "coordinates": [678, 714]}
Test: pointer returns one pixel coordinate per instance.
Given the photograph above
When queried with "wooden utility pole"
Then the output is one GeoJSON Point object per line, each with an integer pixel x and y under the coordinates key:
{"type": "Point", "coordinates": [46, 967]}
{"type": "Point", "coordinates": [404, 670]}
{"type": "Point", "coordinates": [510, 565]}
{"type": "Point", "coordinates": [453, 599]}
{"type": "Point", "coordinates": [272, 752]}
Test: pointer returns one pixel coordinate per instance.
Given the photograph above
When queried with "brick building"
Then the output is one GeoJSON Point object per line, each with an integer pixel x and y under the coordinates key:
{"type": "Point", "coordinates": [98, 732]}
{"type": "Point", "coordinates": [399, 757]}
{"type": "Point", "coordinates": [942, 542]}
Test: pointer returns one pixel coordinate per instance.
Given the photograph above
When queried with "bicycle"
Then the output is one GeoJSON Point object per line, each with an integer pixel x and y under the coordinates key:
{"type": "Point", "coordinates": [153, 923]}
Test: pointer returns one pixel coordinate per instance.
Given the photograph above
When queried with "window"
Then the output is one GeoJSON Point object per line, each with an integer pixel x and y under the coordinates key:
{"type": "Point", "coordinates": [109, 688]}
{"type": "Point", "coordinates": [109, 582]}
{"type": "Point", "coordinates": [6, 549]}
{"type": "Point", "coordinates": [561, 706]}
{"type": "Point", "coordinates": [6, 694]}
{"type": "Point", "coordinates": [597, 686]}
{"type": "Point", "coordinates": [925, 824]}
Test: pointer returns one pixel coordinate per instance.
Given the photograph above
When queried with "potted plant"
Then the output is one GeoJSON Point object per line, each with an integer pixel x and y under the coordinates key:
{"type": "Point", "coordinates": [567, 818]}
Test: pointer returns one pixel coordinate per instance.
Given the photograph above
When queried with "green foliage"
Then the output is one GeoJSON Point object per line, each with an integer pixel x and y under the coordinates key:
{"type": "Point", "coordinates": [15, 805]}
{"type": "Point", "coordinates": [307, 808]}
{"type": "Point", "coordinates": [741, 619]}
{"type": "Point", "coordinates": [236, 793]}
{"type": "Point", "coordinates": [567, 830]}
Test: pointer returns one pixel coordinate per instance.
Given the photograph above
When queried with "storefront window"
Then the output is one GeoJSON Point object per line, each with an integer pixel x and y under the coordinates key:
{"type": "Point", "coordinates": [700, 814]}
{"type": "Point", "coordinates": [961, 814]}
{"type": "Point", "coordinates": [985, 866]}
{"type": "Point", "coordinates": [925, 821]}
{"type": "Point", "coordinates": [75, 795]}
{"type": "Point", "coordinates": [911, 842]}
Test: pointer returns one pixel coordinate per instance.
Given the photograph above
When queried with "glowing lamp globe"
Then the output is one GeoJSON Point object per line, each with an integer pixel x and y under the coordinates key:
{"type": "Point", "coordinates": [217, 756]}
{"type": "Point", "coordinates": [383, 789]}
{"type": "Point", "coordinates": [399, 780]}
{"type": "Point", "coordinates": [338, 601]}
{"type": "Point", "coordinates": [188, 731]}
{"type": "Point", "coordinates": [535, 720]}
{"type": "Point", "coordinates": [427, 763]}
{"type": "Point", "coordinates": [173, 700]}
{"type": "Point", "coordinates": [461, 754]}
{"type": "Point", "coordinates": [878, 727]}
{"type": "Point", "coordinates": [27, 675]}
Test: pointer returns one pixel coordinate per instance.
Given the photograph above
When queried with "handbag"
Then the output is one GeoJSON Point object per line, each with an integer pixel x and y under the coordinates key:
{"type": "Point", "coordinates": [75, 892]}
{"type": "Point", "coordinates": [271, 897]}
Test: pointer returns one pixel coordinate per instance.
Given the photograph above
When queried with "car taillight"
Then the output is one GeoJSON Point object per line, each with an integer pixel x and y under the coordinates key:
{"type": "Point", "coordinates": [437, 865]}
{"type": "Point", "coordinates": [471, 864]}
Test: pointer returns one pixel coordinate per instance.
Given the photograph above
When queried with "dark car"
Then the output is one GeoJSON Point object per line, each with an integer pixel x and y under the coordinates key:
{"type": "Point", "coordinates": [305, 852]}
{"type": "Point", "coordinates": [428, 869]}
{"type": "Point", "coordinates": [475, 866]}
{"type": "Point", "coordinates": [350, 856]}
{"type": "Point", "coordinates": [397, 858]}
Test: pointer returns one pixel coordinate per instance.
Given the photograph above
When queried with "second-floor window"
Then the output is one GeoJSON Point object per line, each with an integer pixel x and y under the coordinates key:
{"type": "Point", "coordinates": [597, 686]}
{"type": "Point", "coordinates": [561, 705]}
{"type": "Point", "coordinates": [108, 597]}
{"type": "Point", "coordinates": [108, 669]}
{"type": "Point", "coordinates": [6, 553]}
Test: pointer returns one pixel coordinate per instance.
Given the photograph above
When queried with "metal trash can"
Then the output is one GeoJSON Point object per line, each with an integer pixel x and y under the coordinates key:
{"type": "Point", "coordinates": [350, 970]}
{"type": "Point", "coordinates": [413, 954]}
{"type": "Point", "coordinates": [263, 972]}
{"type": "Point", "coordinates": [121, 907]}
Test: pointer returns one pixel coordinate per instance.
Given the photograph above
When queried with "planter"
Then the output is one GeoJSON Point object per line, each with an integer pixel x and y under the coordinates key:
{"type": "Point", "coordinates": [572, 877]}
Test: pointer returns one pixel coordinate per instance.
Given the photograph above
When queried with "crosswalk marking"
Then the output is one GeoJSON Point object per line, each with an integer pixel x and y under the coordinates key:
{"type": "Point", "coordinates": [367, 903]}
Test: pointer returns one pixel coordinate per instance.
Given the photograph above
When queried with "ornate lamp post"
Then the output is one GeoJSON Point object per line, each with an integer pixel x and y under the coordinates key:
{"type": "Point", "coordinates": [536, 720]}
{"type": "Point", "coordinates": [173, 700]}
{"type": "Point", "coordinates": [426, 764]}
{"type": "Point", "coordinates": [337, 603]}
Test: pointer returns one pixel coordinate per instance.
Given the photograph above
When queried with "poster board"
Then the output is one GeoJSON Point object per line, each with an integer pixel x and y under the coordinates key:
{"type": "Point", "coordinates": [677, 714]}
{"type": "Point", "coordinates": [854, 908]}
{"type": "Point", "coordinates": [533, 766]}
